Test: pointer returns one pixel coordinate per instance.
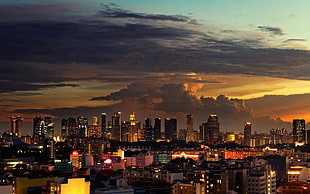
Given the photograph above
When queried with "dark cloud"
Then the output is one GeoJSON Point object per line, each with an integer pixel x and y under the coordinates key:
{"type": "Point", "coordinates": [272, 30]}
{"type": "Point", "coordinates": [115, 11]}
{"type": "Point", "coordinates": [175, 100]}
{"type": "Point", "coordinates": [295, 40]}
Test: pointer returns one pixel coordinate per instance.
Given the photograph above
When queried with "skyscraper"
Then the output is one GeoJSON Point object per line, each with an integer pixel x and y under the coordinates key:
{"type": "Point", "coordinates": [190, 136]}
{"type": "Point", "coordinates": [116, 126]}
{"type": "Point", "coordinates": [133, 131]}
{"type": "Point", "coordinates": [38, 130]}
{"type": "Point", "coordinates": [64, 128]}
{"type": "Point", "coordinates": [16, 125]}
{"type": "Point", "coordinates": [104, 124]}
{"type": "Point", "coordinates": [149, 134]}
{"type": "Point", "coordinates": [48, 128]}
{"type": "Point", "coordinates": [299, 130]}
{"type": "Point", "coordinates": [171, 129]}
{"type": "Point", "coordinates": [157, 129]}
{"type": "Point", "coordinates": [72, 127]}
{"type": "Point", "coordinates": [247, 133]}
{"type": "Point", "coordinates": [82, 126]}
{"type": "Point", "coordinates": [212, 129]}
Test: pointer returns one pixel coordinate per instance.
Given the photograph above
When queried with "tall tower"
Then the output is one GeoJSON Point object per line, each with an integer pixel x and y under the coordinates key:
{"type": "Point", "coordinates": [171, 129]}
{"type": "Point", "coordinates": [133, 132]}
{"type": "Point", "coordinates": [16, 125]}
{"type": "Point", "coordinates": [38, 130]}
{"type": "Point", "coordinates": [64, 128]}
{"type": "Point", "coordinates": [116, 126]}
{"type": "Point", "coordinates": [299, 130]}
{"type": "Point", "coordinates": [190, 136]}
{"type": "Point", "coordinates": [48, 128]}
{"type": "Point", "coordinates": [212, 129]}
{"type": "Point", "coordinates": [82, 126]}
{"type": "Point", "coordinates": [157, 129]}
{"type": "Point", "coordinates": [104, 124]}
{"type": "Point", "coordinates": [72, 127]}
{"type": "Point", "coordinates": [247, 133]}
{"type": "Point", "coordinates": [149, 134]}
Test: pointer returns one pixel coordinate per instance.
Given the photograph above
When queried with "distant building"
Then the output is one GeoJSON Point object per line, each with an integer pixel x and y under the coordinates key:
{"type": "Point", "coordinates": [48, 127]}
{"type": "Point", "coordinates": [157, 129]}
{"type": "Point", "coordinates": [211, 130]}
{"type": "Point", "coordinates": [116, 126]}
{"type": "Point", "coordinates": [16, 125]}
{"type": "Point", "coordinates": [171, 129]}
{"type": "Point", "coordinates": [38, 130]}
{"type": "Point", "coordinates": [299, 130]}
{"type": "Point", "coordinates": [190, 136]}
{"type": "Point", "coordinates": [104, 124]}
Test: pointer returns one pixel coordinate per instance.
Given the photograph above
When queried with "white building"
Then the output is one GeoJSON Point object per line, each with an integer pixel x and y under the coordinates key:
{"type": "Point", "coordinates": [261, 179]}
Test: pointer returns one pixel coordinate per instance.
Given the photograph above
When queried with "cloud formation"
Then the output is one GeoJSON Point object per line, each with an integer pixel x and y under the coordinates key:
{"type": "Point", "coordinates": [271, 30]}
{"type": "Point", "coordinates": [150, 57]}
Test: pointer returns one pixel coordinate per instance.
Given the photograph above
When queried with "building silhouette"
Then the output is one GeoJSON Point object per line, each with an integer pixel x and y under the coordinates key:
{"type": "Point", "coordinates": [211, 130]}
{"type": "Point", "coordinates": [299, 130]}
{"type": "Point", "coordinates": [171, 129]}
{"type": "Point", "coordinates": [157, 129]}
{"type": "Point", "coordinates": [16, 125]}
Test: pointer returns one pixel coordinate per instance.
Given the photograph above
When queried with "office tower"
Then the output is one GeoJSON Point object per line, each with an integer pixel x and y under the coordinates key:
{"type": "Point", "coordinates": [48, 128]}
{"type": "Point", "coordinates": [64, 128]}
{"type": "Point", "coordinates": [190, 136]}
{"type": "Point", "coordinates": [94, 130]}
{"type": "Point", "coordinates": [247, 133]}
{"type": "Point", "coordinates": [104, 124]}
{"type": "Point", "coordinates": [125, 131]}
{"type": "Point", "coordinates": [82, 126]}
{"type": "Point", "coordinates": [157, 129]}
{"type": "Point", "coordinates": [133, 131]}
{"type": "Point", "coordinates": [16, 125]}
{"type": "Point", "coordinates": [72, 127]}
{"type": "Point", "coordinates": [299, 130]}
{"type": "Point", "coordinates": [247, 130]}
{"type": "Point", "coordinates": [211, 130]}
{"type": "Point", "coordinates": [171, 129]}
{"type": "Point", "coordinates": [116, 126]}
{"type": "Point", "coordinates": [49, 150]}
{"type": "Point", "coordinates": [38, 130]}
{"type": "Point", "coordinates": [147, 127]}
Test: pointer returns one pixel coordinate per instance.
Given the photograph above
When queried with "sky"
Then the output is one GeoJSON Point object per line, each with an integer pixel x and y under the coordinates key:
{"type": "Point", "coordinates": [242, 60]}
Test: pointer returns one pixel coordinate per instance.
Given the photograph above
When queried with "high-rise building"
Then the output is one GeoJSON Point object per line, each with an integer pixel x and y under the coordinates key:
{"type": "Point", "coordinates": [299, 130]}
{"type": "Point", "coordinates": [133, 131]}
{"type": "Point", "coordinates": [147, 127]}
{"type": "Point", "coordinates": [116, 126]}
{"type": "Point", "coordinates": [94, 130]}
{"type": "Point", "coordinates": [171, 129]}
{"type": "Point", "coordinates": [72, 127]}
{"type": "Point", "coordinates": [64, 128]}
{"type": "Point", "coordinates": [16, 125]}
{"type": "Point", "coordinates": [48, 128]}
{"type": "Point", "coordinates": [104, 124]}
{"type": "Point", "coordinates": [82, 126]}
{"type": "Point", "coordinates": [211, 130]}
{"type": "Point", "coordinates": [247, 133]}
{"type": "Point", "coordinates": [190, 136]}
{"type": "Point", "coordinates": [157, 129]}
{"type": "Point", "coordinates": [38, 130]}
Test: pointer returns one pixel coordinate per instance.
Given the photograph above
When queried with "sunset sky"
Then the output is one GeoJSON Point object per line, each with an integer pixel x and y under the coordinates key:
{"type": "Point", "coordinates": [243, 60]}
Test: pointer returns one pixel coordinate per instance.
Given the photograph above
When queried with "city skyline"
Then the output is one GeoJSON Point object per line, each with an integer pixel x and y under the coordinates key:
{"type": "Point", "coordinates": [244, 61]}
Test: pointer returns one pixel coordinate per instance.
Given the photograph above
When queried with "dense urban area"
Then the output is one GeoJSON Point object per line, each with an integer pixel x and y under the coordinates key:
{"type": "Point", "coordinates": [109, 155]}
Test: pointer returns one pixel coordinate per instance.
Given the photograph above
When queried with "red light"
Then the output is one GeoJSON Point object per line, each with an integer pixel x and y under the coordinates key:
{"type": "Point", "coordinates": [75, 152]}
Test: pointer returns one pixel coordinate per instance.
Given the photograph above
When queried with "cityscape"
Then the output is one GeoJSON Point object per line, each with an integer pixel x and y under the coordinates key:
{"type": "Point", "coordinates": [118, 155]}
{"type": "Point", "coordinates": [154, 97]}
